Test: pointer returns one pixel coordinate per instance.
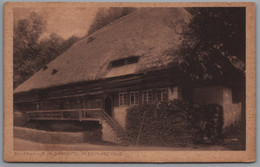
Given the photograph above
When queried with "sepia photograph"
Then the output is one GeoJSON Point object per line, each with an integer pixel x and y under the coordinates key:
{"type": "Point", "coordinates": [114, 80]}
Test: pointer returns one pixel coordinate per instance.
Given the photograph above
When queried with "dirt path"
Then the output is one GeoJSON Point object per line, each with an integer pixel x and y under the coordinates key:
{"type": "Point", "coordinates": [25, 145]}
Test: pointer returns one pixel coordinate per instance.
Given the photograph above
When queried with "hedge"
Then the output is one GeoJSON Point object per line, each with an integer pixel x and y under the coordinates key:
{"type": "Point", "coordinates": [173, 123]}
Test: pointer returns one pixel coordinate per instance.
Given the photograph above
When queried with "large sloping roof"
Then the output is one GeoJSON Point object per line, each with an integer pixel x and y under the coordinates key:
{"type": "Point", "coordinates": [145, 33]}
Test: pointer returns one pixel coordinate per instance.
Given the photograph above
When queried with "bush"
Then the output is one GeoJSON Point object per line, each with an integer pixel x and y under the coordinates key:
{"type": "Point", "coordinates": [20, 118]}
{"type": "Point", "coordinates": [173, 123]}
{"type": "Point", "coordinates": [209, 121]}
{"type": "Point", "coordinates": [168, 123]}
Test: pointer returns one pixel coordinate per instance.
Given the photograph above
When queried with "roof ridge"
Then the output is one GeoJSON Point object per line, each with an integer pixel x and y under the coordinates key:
{"type": "Point", "coordinates": [138, 11]}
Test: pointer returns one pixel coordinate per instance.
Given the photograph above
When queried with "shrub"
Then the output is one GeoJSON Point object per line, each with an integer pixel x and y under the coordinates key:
{"type": "Point", "coordinates": [209, 121]}
{"type": "Point", "coordinates": [20, 118]}
{"type": "Point", "coordinates": [165, 124]}
{"type": "Point", "coordinates": [173, 123]}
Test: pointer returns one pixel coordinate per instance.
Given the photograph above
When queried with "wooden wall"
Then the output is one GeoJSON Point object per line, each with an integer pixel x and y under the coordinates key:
{"type": "Point", "coordinates": [90, 94]}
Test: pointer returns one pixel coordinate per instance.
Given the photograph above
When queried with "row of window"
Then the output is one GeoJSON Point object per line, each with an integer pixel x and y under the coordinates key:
{"type": "Point", "coordinates": [147, 96]}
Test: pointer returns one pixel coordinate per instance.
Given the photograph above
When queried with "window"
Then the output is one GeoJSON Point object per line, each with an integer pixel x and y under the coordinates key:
{"type": "Point", "coordinates": [162, 94]}
{"type": "Point", "coordinates": [122, 99]}
{"type": "Point", "coordinates": [134, 98]}
{"type": "Point", "coordinates": [147, 96]}
{"type": "Point", "coordinates": [124, 61]}
{"type": "Point", "coordinates": [132, 60]}
{"type": "Point", "coordinates": [118, 63]}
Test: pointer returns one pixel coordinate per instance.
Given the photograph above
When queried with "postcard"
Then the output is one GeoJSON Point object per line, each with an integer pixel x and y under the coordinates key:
{"type": "Point", "coordinates": [129, 82]}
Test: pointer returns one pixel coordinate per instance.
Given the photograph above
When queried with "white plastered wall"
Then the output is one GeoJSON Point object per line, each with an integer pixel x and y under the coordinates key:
{"type": "Point", "coordinates": [173, 93]}
{"type": "Point", "coordinates": [232, 111]}
{"type": "Point", "coordinates": [120, 115]}
{"type": "Point", "coordinates": [222, 96]}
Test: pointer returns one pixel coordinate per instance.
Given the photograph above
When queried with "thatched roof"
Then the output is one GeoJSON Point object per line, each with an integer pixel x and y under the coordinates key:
{"type": "Point", "coordinates": [146, 33]}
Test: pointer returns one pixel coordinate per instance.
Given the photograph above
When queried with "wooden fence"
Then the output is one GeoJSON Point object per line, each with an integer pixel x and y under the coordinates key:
{"type": "Point", "coordinates": [71, 114]}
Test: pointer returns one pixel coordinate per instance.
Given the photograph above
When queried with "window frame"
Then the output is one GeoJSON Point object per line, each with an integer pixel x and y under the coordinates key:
{"type": "Point", "coordinates": [124, 101]}
{"type": "Point", "coordinates": [136, 101]}
{"type": "Point", "coordinates": [161, 94]}
{"type": "Point", "coordinates": [147, 93]}
{"type": "Point", "coordinates": [124, 61]}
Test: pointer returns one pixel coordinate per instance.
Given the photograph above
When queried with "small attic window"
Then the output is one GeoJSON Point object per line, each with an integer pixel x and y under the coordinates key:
{"type": "Point", "coordinates": [90, 39]}
{"type": "Point", "coordinates": [124, 61]}
{"type": "Point", "coordinates": [54, 71]}
{"type": "Point", "coordinates": [44, 68]}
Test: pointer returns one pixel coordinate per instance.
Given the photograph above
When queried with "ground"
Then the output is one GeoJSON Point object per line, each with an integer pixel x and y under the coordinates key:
{"type": "Point", "coordinates": [25, 145]}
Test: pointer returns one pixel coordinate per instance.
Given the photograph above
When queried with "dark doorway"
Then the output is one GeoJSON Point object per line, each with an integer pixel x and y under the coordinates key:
{"type": "Point", "coordinates": [108, 105]}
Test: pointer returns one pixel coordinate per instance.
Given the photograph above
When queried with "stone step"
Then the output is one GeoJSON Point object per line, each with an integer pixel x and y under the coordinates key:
{"type": "Point", "coordinates": [115, 130]}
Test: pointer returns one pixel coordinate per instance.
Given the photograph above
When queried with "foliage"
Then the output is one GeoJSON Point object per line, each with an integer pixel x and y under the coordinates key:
{"type": "Point", "coordinates": [105, 16]}
{"type": "Point", "coordinates": [214, 42]}
{"type": "Point", "coordinates": [209, 121]}
{"type": "Point", "coordinates": [173, 123]}
{"type": "Point", "coordinates": [32, 53]}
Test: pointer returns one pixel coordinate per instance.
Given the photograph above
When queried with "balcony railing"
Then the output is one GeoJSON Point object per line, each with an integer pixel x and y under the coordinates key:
{"type": "Point", "coordinates": [71, 114]}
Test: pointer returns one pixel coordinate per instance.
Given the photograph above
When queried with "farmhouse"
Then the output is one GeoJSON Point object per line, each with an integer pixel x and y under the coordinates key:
{"type": "Point", "coordinates": [128, 62]}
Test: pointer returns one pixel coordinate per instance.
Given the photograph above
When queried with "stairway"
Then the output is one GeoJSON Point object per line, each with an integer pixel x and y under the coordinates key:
{"type": "Point", "coordinates": [112, 131]}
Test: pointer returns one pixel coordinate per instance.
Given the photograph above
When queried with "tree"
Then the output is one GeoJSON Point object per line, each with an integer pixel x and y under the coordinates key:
{"type": "Point", "coordinates": [214, 50]}
{"type": "Point", "coordinates": [214, 42]}
{"type": "Point", "coordinates": [32, 53]}
{"type": "Point", "coordinates": [105, 16]}
{"type": "Point", "coordinates": [26, 35]}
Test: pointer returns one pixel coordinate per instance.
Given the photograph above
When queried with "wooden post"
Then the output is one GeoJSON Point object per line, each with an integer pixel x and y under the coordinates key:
{"type": "Point", "coordinates": [100, 116]}
{"type": "Point", "coordinates": [80, 115]}
{"type": "Point", "coordinates": [28, 116]}
{"type": "Point", "coordinates": [140, 130]}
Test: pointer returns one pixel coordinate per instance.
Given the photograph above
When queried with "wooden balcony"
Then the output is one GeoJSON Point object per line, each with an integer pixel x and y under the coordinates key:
{"type": "Point", "coordinates": [85, 115]}
{"type": "Point", "coordinates": [70, 114]}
